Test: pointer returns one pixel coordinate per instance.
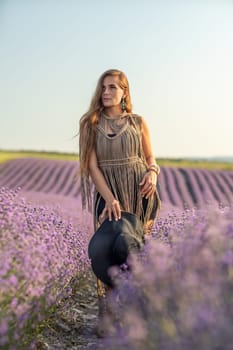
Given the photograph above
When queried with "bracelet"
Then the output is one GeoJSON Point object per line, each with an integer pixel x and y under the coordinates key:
{"type": "Point", "coordinates": [155, 168]}
{"type": "Point", "coordinates": [155, 171]}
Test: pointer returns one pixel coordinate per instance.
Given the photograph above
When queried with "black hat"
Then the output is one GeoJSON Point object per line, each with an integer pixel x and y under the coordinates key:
{"type": "Point", "coordinates": [111, 243]}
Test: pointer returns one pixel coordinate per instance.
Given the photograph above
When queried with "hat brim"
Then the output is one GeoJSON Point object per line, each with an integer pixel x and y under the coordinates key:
{"type": "Point", "coordinates": [112, 242]}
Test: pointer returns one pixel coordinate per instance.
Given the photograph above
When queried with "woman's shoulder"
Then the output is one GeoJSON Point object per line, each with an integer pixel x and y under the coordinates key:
{"type": "Point", "coordinates": [138, 119]}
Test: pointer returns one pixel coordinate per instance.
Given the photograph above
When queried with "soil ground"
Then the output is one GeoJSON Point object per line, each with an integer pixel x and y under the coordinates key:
{"type": "Point", "coordinates": [73, 327]}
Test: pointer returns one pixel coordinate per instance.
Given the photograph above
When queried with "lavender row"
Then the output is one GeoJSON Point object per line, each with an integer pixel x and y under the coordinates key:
{"type": "Point", "coordinates": [40, 254]}
{"type": "Point", "coordinates": [185, 300]}
{"type": "Point", "coordinates": [42, 175]}
{"type": "Point", "coordinates": [181, 187]}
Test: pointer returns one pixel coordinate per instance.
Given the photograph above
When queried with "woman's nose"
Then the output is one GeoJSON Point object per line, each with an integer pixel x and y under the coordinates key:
{"type": "Point", "coordinates": [106, 91]}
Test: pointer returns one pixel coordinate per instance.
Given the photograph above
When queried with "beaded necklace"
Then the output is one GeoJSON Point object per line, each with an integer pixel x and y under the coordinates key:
{"type": "Point", "coordinates": [112, 123]}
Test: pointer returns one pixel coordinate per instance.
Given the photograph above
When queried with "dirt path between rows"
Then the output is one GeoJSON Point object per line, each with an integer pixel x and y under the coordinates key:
{"type": "Point", "coordinates": [73, 327]}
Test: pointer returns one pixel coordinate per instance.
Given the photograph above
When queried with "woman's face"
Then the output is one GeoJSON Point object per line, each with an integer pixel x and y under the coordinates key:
{"type": "Point", "coordinates": [112, 93]}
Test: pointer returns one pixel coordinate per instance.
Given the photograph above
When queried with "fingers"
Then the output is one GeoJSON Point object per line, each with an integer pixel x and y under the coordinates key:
{"type": "Point", "coordinates": [142, 183]}
{"type": "Point", "coordinates": [113, 210]}
{"type": "Point", "coordinates": [151, 191]}
{"type": "Point", "coordinates": [102, 217]}
{"type": "Point", "coordinates": [148, 190]}
{"type": "Point", "coordinates": [116, 209]}
{"type": "Point", "coordinates": [148, 184]}
{"type": "Point", "coordinates": [110, 214]}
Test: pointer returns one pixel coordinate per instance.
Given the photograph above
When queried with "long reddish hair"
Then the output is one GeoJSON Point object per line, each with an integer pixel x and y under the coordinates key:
{"type": "Point", "coordinates": [88, 122]}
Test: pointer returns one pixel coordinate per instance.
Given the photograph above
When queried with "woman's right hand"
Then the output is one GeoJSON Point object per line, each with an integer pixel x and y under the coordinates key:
{"type": "Point", "coordinates": [112, 206]}
{"type": "Point", "coordinates": [112, 210]}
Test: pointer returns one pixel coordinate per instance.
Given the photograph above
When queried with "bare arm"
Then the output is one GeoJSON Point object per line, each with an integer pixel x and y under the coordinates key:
{"type": "Point", "coordinates": [150, 179]}
{"type": "Point", "coordinates": [112, 205]}
{"type": "Point", "coordinates": [146, 143]}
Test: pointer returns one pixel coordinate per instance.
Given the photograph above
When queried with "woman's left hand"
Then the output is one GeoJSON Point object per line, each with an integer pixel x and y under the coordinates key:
{"type": "Point", "coordinates": [148, 184]}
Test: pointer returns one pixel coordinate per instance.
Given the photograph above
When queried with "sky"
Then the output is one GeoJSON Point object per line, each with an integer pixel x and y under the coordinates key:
{"type": "Point", "coordinates": [177, 55]}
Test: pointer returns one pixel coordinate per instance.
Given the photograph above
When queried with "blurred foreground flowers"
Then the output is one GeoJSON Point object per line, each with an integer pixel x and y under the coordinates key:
{"type": "Point", "coordinates": [179, 295]}
{"type": "Point", "coordinates": [39, 254]}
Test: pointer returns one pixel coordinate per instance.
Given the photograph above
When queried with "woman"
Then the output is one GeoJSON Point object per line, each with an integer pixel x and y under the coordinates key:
{"type": "Point", "coordinates": [116, 153]}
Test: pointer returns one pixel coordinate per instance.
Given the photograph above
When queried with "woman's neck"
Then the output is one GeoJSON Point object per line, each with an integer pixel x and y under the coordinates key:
{"type": "Point", "coordinates": [113, 112]}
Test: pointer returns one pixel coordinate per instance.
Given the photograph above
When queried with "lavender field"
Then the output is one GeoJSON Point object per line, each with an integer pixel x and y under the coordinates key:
{"type": "Point", "coordinates": [43, 244]}
{"type": "Point", "coordinates": [178, 187]}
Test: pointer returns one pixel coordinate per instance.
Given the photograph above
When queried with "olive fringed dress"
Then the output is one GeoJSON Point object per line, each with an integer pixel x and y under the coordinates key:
{"type": "Point", "coordinates": [122, 162]}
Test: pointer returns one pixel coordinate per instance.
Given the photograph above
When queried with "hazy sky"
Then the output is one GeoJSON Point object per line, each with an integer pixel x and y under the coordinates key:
{"type": "Point", "coordinates": [177, 55]}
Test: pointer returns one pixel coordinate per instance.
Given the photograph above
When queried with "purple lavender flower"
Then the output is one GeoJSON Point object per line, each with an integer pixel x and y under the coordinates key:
{"type": "Point", "coordinates": [179, 293]}
{"type": "Point", "coordinates": [41, 252]}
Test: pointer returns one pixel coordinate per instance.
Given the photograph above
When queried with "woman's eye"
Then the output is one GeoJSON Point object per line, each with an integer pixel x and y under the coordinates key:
{"type": "Point", "coordinates": [111, 87]}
